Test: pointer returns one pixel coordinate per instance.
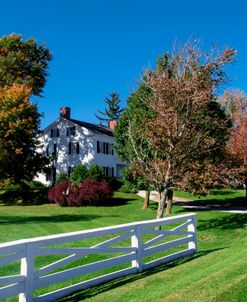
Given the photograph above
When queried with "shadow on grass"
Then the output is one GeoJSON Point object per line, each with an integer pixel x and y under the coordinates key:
{"type": "Point", "coordinates": [153, 206]}
{"type": "Point", "coordinates": [114, 202]}
{"type": "Point", "coordinates": [94, 291]}
{"type": "Point", "coordinates": [229, 222]}
{"type": "Point", "coordinates": [48, 219]}
{"type": "Point", "coordinates": [237, 201]}
{"type": "Point", "coordinates": [15, 196]}
{"type": "Point", "coordinates": [221, 192]}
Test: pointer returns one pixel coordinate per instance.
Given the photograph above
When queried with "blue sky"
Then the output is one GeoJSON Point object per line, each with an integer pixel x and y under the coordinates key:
{"type": "Point", "coordinates": [101, 46]}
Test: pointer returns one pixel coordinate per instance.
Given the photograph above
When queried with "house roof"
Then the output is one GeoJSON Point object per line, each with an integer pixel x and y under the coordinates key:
{"type": "Point", "coordinates": [95, 128]}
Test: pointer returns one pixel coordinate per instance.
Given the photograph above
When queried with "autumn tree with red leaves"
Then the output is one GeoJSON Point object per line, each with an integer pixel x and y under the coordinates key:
{"type": "Point", "coordinates": [235, 105]}
{"type": "Point", "coordinates": [185, 138]}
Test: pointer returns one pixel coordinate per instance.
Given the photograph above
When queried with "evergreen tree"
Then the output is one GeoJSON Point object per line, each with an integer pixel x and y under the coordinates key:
{"type": "Point", "coordinates": [113, 110]}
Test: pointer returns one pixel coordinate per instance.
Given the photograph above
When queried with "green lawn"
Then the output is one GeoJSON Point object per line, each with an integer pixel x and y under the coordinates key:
{"type": "Point", "coordinates": [224, 197]}
{"type": "Point", "coordinates": [216, 273]}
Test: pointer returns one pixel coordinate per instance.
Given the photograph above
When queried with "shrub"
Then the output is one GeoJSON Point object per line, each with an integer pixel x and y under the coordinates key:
{"type": "Point", "coordinates": [60, 193]}
{"type": "Point", "coordinates": [80, 173]}
{"type": "Point", "coordinates": [90, 192]}
{"type": "Point", "coordinates": [94, 192]}
{"type": "Point", "coordinates": [6, 183]}
{"type": "Point", "coordinates": [115, 183]}
{"type": "Point", "coordinates": [128, 187]}
{"type": "Point", "coordinates": [96, 173]}
{"type": "Point", "coordinates": [62, 177]}
{"type": "Point", "coordinates": [34, 184]}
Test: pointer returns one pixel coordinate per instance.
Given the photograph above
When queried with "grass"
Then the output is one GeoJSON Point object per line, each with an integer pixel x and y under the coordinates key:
{"type": "Point", "coordinates": [234, 197]}
{"type": "Point", "coordinates": [216, 273]}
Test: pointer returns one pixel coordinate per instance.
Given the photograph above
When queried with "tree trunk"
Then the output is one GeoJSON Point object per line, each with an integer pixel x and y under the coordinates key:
{"type": "Point", "coordinates": [169, 201]}
{"type": "Point", "coordinates": [246, 190]}
{"type": "Point", "coordinates": [161, 205]}
{"type": "Point", "coordinates": [146, 200]}
{"type": "Point", "coordinates": [167, 195]}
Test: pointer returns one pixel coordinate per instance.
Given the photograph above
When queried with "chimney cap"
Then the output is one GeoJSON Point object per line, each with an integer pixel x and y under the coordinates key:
{"type": "Point", "coordinates": [112, 124]}
{"type": "Point", "coordinates": [65, 112]}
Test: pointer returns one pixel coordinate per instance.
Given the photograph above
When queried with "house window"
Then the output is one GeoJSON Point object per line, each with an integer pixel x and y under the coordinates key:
{"type": "Point", "coordinates": [54, 133]}
{"type": "Point", "coordinates": [47, 150]}
{"type": "Point", "coordinates": [104, 148]}
{"type": "Point", "coordinates": [99, 147]}
{"type": "Point", "coordinates": [71, 131]}
{"type": "Point", "coordinates": [110, 149]}
{"type": "Point", "coordinates": [109, 171]}
{"type": "Point", "coordinates": [74, 148]}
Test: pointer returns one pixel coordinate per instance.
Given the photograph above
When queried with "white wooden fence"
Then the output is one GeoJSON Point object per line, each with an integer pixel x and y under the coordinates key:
{"type": "Point", "coordinates": [141, 237]}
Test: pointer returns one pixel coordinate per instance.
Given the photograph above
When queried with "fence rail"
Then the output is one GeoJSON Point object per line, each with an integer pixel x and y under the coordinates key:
{"type": "Point", "coordinates": [143, 239]}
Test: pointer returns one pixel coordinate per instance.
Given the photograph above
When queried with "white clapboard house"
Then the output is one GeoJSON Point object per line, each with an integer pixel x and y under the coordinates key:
{"type": "Point", "coordinates": [71, 142]}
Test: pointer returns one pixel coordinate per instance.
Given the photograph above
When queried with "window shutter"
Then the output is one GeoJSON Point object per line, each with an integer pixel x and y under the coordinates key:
{"type": "Point", "coordinates": [112, 149]}
{"type": "Point", "coordinates": [107, 148]}
{"type": "Point", "coordinates": [47, 150]}
{"type": "Point", "coordinates": [55, 149]}
{"type": "Point", "coordinates": [98, 147]}
{"type": "Point", "coordinates": [69, 148]}
{"type": "Point", "coordinates": [72, 130]}
{"type": "Point", "coordinates": [67, 132]}
{"type": "Point", "coordinates": [77, 148]}
{"type": "Point", "coordinates": [104, 148]}
{"type": "Point", "coordinates": [57, 132]}
{"type": "Point", "coordinates": [54, 173]}
{"type": "Point", "coordinates": [112, 172]}
{"type": "Point", "coordinates": [51, 132]}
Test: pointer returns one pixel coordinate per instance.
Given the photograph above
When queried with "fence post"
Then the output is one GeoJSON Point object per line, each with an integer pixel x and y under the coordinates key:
{"type": "Point", "coordinates": [27, 269]}
{"type": "Point", "coordinates": [136, 241]}
{"type": "Point", "coordinates": [192, 228]}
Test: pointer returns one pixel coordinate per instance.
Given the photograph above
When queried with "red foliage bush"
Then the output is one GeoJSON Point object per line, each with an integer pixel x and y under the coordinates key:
{"type": "Point", "coordinates": [60, 193]}
{"type": "Point", "coordinates": [90, 192]}
{"type": "Point", "coordinates": [74, 198]}
{"type": "Point", "coordinates": [95, 192]}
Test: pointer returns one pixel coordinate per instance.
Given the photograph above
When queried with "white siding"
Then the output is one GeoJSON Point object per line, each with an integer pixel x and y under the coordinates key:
{"type": "Point", "coordinates": [87, 148]}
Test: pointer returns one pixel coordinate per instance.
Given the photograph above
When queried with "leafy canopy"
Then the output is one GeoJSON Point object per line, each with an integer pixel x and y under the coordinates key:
{"type": "Point", "coordinates": [23, 72]}
{"type": "Point", "coordinates": [23, 62]}
{"type": "Point", "coordinates": [19, 124]}
{"type": "Point", "coordinates": [178, 132]}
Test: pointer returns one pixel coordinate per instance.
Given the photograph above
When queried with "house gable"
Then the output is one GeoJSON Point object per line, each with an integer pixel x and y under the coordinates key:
{"type": "Point", "coordinates": [71, 142]}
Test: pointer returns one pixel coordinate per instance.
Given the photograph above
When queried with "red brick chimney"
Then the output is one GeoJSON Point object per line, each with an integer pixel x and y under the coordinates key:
{"type": "Point", "coordinates": [112, 124]}
{"type": "Point", "coordinates": [65, 112]}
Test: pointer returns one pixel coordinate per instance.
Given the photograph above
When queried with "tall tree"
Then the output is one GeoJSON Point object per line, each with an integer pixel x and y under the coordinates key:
{"type": "Point", "coordinates": [187, 134]}
{"type": "Point", "coordinates": [235, 105]}
{"type": "Point", "coordinates": [23, 62]}
{"type": "Point", "coordinates": [131, 145]}
{"type": "Point", "coordinates": [23, 72]}
{"type": "Point", "coordinates": [19, 123]}
{"type": "Point", "coordinates": [113, 110]}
